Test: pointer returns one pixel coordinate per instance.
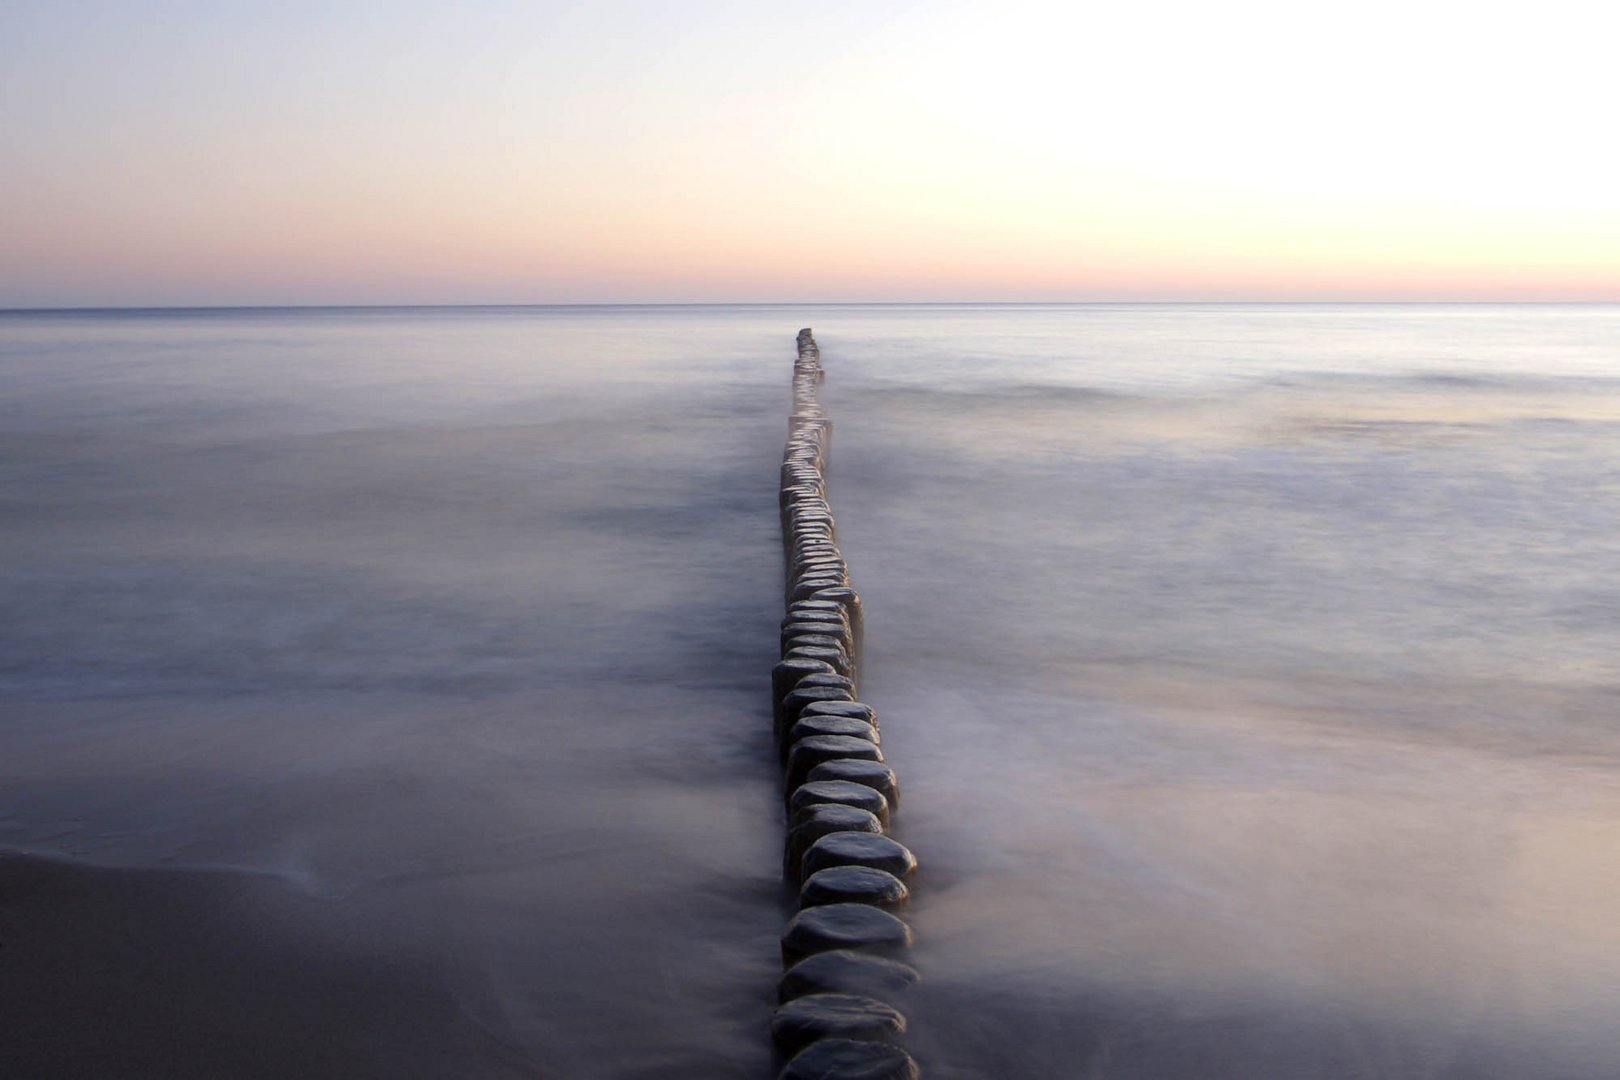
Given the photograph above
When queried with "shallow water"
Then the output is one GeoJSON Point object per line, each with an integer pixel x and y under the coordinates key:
{"type": "Point", "coordinates": [1251, 672]}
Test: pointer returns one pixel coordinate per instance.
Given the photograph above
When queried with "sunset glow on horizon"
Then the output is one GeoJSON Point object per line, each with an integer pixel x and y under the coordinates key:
{"type": "Point", "coordinates": [195, 153]}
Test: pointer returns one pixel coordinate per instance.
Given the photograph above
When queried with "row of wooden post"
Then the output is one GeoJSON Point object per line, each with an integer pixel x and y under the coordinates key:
{"type": "Point", "coordinates": [844, 948]}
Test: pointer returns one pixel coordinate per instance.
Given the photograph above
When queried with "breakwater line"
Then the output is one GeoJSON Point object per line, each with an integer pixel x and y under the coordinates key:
{"type": "Point", "coordinates": [843, 949]}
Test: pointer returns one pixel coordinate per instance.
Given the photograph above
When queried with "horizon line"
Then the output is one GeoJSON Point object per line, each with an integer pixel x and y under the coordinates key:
{"type": "Point", "coordinates": [1407, 302]}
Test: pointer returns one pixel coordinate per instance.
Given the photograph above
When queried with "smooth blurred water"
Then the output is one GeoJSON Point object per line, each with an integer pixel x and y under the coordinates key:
{"type": "Point", "coordinates": [1251, 672]}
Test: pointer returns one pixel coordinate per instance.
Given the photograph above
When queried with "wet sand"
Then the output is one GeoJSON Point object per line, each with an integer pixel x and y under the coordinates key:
{"type": "Point", "coordinates": [215, 973]}
{"type": "Point", "coordinates": [386, 887]}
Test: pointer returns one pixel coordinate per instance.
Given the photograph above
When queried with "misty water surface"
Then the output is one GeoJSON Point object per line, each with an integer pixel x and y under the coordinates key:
{"type": "Point", "coordinates": [1250, 672]}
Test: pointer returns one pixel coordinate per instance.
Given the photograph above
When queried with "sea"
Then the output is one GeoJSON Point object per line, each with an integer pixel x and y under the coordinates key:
{"type": "Point", "coordinates": [385, 690]}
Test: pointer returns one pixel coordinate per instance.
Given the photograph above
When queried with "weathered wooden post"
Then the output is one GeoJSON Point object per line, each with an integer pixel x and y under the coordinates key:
{"type": "Point", "coordinates": [837, 1017]}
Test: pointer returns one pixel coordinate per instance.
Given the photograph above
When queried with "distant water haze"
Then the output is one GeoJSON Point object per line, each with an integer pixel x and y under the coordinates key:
{"type": "Point", "coordinates": [386, 689]}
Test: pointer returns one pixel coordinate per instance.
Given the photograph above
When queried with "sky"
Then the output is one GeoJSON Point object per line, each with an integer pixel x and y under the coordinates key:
{"type": "Point", "coordinates": [168, 152]}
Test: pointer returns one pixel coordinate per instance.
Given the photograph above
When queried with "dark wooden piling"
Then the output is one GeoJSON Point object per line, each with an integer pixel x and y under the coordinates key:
{"type": "Point", "coordinates": [842, 1023]}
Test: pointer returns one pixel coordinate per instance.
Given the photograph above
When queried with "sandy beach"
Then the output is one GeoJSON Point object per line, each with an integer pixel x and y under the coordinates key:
{"type": "Point", "coordinates": [208, 972]}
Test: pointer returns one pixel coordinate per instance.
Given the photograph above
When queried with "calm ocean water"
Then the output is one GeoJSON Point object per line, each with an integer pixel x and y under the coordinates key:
{"type": "Point", "coordinates": [385, 690]}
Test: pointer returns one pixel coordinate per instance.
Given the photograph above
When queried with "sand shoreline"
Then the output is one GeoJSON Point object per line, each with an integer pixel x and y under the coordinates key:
{"type": "Point", "coordinates": [210, 972]}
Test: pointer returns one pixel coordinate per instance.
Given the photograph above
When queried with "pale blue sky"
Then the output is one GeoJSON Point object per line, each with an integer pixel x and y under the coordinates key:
{"type": "Point", "coordinates": [172, 153]}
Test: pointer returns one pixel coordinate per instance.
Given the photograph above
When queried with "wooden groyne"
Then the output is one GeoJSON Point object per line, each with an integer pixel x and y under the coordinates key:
{"type": "Point", "coordinates": [843, 949]}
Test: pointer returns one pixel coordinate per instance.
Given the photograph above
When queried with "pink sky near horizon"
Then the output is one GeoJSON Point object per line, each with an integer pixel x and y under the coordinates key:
{"type": "Point", "coordinates": [410, 153]}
